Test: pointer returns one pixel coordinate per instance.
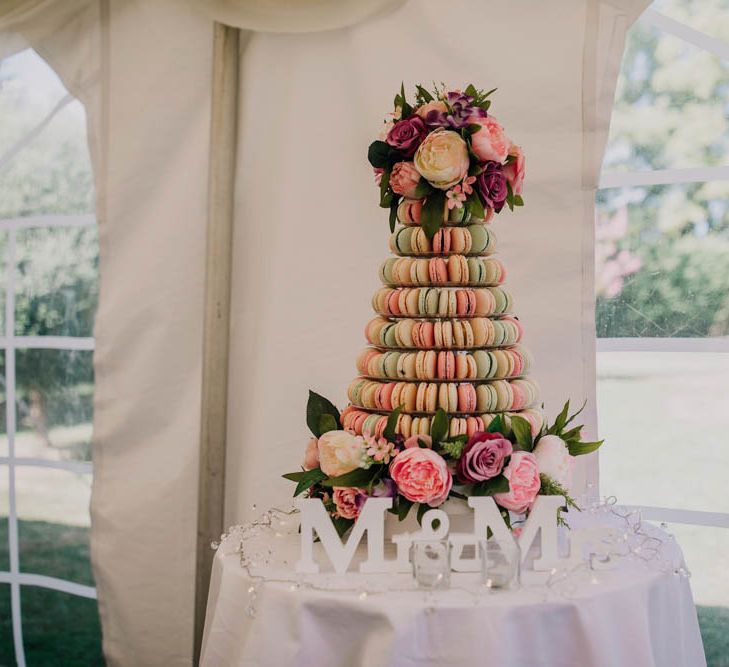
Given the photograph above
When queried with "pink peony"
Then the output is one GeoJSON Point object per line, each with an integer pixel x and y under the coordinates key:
{"type": "Point", "coordinates": [415, 440]}
{"type": "Point", "coordinates": [422, 476]}
{"type": "Point", "coordinates": [523, 475]}
{"type": "Point", "coordinates": [404, 179]}
{"type": "Point", "coordinates": [490, 142]}
{"type": "Point", "coordinates": [483, 457]}
{"type": "Point", "coordinates": [311, 457]}
{"type": "Point", "coordinates": [349, 501]}
{"type": "Point", "coordinates": [514, 171]}
{"type": "Point", "coordinates": [406, 135]}
{"type": "Point", "coordinates": [553, 459]}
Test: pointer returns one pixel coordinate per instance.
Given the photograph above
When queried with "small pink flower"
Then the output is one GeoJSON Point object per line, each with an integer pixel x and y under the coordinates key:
{"type": "Point", "coordinates": [379, 449]}
{"type": "Point", "coordinates": [378, 174]}
{"type": "Point", "coordinates": [348, 501]}
{"type": "Point", "coordinates": [467, 183]}
{"type": "Point", "coordinates": [422, 476]}
{"type": "Point", "coordinates": [455, 197]}
{"type": "Point", "coordinates": [523, 475]}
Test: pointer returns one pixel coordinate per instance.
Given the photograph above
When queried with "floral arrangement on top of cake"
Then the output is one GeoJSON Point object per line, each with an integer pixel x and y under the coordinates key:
{"type": "Point", "coordinates": [442, 408]}
{"type": "Point", "coordinates": [446, 153]}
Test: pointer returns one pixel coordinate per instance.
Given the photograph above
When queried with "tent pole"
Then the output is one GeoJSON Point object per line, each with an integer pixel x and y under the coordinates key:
{"type": "Point", "coordinates": [216, 325]}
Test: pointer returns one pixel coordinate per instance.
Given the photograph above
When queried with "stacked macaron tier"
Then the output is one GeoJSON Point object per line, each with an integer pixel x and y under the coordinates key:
{"type": "Point", "coordinates": [453, 397]}
{"type": "Point", "coordinates": [444, 336]}
{"type": "Point", "coordinates": [363, 421]}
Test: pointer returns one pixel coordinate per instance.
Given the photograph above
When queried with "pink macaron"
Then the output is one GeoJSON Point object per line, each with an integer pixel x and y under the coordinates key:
{"type": "Point", "coordinates": [466, 398]}
{"type": "Point", "coordinates": [437, 271]}
{"type": "Point", "coordinates": [427, 336]}
{"type": "Point", "coordinates": [446, 365]}
{"type": "Point", "coordinates": [442, 240]}
{"type": "Point", "coordinates": [393, 306]}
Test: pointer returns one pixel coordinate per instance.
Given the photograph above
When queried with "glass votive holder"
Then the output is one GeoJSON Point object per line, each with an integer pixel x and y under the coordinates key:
{"type": "Point", "coordinates": [500, 564]}
{"type": "Point", "coordinates": [431, 563]}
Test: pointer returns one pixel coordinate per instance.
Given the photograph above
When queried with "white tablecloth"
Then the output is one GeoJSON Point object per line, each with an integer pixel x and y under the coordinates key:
{"type": "Point", "coordinates": [633, 616]}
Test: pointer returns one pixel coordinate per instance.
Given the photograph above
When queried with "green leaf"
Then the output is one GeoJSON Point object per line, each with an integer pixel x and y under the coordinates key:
{"type": "Point", "coordinates": [439, 427]}
{"type": "Point", "coordinates": [475, 206]}
{"type": "Point", "coordinates": [403, 507]}
{"type": "Point", "coordinates": [424, 94]}
{"type": "Point", "coordinates": [406, 108]}
{"type": "Point", "coordinates": [581, 448]}
{"type": "Point", "coordinates": [560, 420]}
{"type": "Point", "coordinates": [359, 477]}
{"type": "Point", "coordinates": [453, 447]}
{"type": "Point", "coordinates": [485, 95]}
{"type": "Point", "coordinates": [455, 494]}
{"type": "Point", "coordinates": [497, 425]}
{"type": "Point", "coordinates": [393, 213]}
{"type": "Point", "coordinates": [422, 509]}
{"type": "Point", "coordinates": [518, 200]}
{"type": "Point", "coordinates": [305, 479]}
{"type": "Point", "coordinates": [574, 416]}
{"type": "Point", "coordinates": [315, 408]}
{"type": "Point", "coordinates": [472, 128]}
{"type": "Point", "coordinates": [389, 432]}
{"type": "Point", "coordinates": [384, 187]}
{"type": "Point", "coordinates": [342, 525]}
{"type": "Point", "coordinates": [471, 90]}
{"type": "Point", "coordinates": [431, 218]}
{"type": "Point", "coordinates": [509, 196]}
{"type": "Point", "coordinates": [327, 423]}
{"type": "Point", "coordinates": [423, 189]}
{"type": "Point", "coordinates": [498, 484]}
{"type": "Point", "coordinates": [380, 154]}
{"type": "Point", "coordinates": [522, 432]}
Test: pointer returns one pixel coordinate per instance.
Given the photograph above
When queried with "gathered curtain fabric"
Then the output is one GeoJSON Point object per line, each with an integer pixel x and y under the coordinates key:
{"type": "Point", "coordinates": [316, 79]}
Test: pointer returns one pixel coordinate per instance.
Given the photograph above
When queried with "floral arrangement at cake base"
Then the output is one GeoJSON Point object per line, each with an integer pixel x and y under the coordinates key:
{"type": "Point", "coordinates": [422, 472]}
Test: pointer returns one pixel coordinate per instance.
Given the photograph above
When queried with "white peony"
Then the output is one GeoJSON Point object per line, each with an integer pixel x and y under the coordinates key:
{"type": "Point", "coordinates": [340, 452]}
{"type": "Point", "coordinates": [554, 460]}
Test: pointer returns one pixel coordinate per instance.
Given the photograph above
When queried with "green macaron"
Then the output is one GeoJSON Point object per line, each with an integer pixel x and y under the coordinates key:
{"type": "Point", "coordinates": [484, 363]}
{"type": "Point", "coordinates": [475, 271]}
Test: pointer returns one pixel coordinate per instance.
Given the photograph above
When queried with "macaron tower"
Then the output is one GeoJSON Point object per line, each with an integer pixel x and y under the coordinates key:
{"type": "Point", "coordinates": [444, 334]}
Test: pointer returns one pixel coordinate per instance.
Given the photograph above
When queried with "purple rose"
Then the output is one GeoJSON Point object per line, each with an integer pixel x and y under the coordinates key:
{"type": "Point", "coordinates": [384, 489]}
{"type": "Point", "coordinates": [406, 135]}
{"type": "Point", "coordinates": [483, 457]}
{"type": "Point", "coordinates": [460, 112]}
{"type": "Point", "coordinates": [491, 185]}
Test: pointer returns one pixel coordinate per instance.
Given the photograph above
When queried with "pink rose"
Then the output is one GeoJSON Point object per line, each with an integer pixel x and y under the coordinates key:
{"type": "Point", "coordinates": [415, 440]}
{"type": "Point", "coordinates": [490, 142]}
{"type": "Point", "coordinates": [404, 179]}
{"type": "Point", "coordinates": [311, 457]}
{"type": "Point", "coordinates": [514, 171]}
{"type": "Point", "coordinates": [523, 475]}
{"type": "Point", "coordinates": [349, 501]}
{"type": "Point", "coordinates": [406, 135]}
{"type": "Point", "coordinates": [422, 476]}
{"type": "Point", "coordinates": [483, 457]}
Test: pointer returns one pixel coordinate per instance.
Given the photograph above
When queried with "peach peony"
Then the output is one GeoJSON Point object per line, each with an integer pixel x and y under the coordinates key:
{"type": "Point", "coordinates": [442, 159]}
{"type": "Point", "coordinates": [523, 475]}
{"type": "Point", "coordinates": [311, 457]}
{"type": "Point", "coordinates": [489, 143]}
{"type": "Point", "coordinates": [404, 179]}
{"type": "Point", "coordinates": [438, 105]}
{"type": "Point", "coordinates": [422, 476]}
{"type": "Point", "coordinates": [340, 452]}
{"type": "Point", "coordinates": [514, 171]}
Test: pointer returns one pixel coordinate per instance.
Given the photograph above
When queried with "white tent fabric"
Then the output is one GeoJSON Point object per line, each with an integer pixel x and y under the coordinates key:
{"type": "Point", "coordinates": [308, 236]}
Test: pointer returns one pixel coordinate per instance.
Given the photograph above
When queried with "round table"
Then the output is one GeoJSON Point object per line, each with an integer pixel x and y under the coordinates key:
{"type": "Point", "coordinates": [264, 615]}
